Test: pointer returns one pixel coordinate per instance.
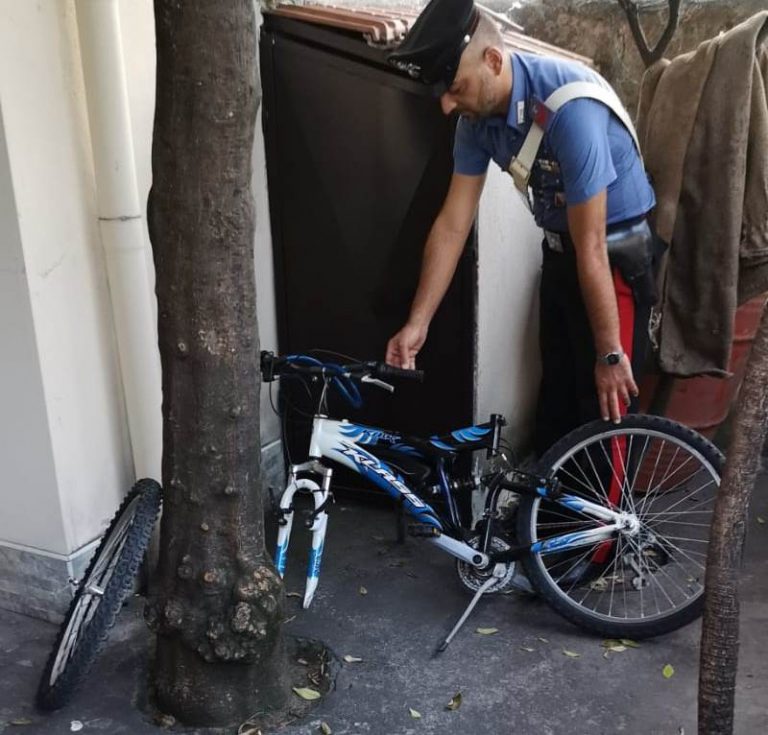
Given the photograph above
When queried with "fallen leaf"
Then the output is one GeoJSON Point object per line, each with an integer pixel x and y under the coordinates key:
{"type": "Point", "coordinates": [487, 631]}
{"type": "Point", "coordinates": [288, 620]}
{"type": "Point", "coordinates": [455, 702]}
{"type": "Point", "coordinates": [363, 591]}
{"type": "Point", "coordinates": [571, 654]}
{"type": "Point", "coordinates": [307, 693]}
{"type": "Point", "coordinates": [599, 585]}
{"type": "Point", "coordinates": [250, 731]}
{"type": "Point", "coordinates": [615, 646]}
{"type": "Point", "coordinates": [414, 713]}
{"type": "Point", "coordinates": [760, 520]}
{"type": "Point", "coordinates": [75, 726]}
{"type": "Point", "coordinates": [629, 643]}
{"type": "Point", "coordinates": [302, 661]}
{"type": "Point", "coordinates": [21, 721]}
{"type": "Point", "coordinates": [378, 538]}
{"type": "Point", "coordinates": [605, 654]}
{"type": "Point", "coordinates": [352, 659]}
{"type": "Point", "coordinates": [325, 728]}
{"type": "Point", "coordinates": [164, 720]}
{"type": "Point", "coordinates": [527, 648]}
{"type": "Point", "coordinates": [668, 671]}
{"type": "Point", "coordinates": [293, 594]}
{"type": "Point", "coordinates": [543, 640]}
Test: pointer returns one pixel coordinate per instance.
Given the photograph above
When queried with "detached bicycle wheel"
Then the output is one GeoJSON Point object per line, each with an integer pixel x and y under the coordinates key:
{"type": "Point", "coordinates": [647, 580]}
{"type": "Point", "coordinates": [100, 595]}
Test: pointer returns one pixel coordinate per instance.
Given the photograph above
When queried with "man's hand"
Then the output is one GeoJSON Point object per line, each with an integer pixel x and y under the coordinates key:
{"type": "Point", "coordinates": [405, 345]}
{"type": "Point", "coordinates": [615, 388]}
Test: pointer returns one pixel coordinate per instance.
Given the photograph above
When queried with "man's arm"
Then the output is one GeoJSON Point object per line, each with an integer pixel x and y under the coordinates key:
{"type": "Point", "coordinates": [441, 254]}
{"type": "Point", "coordinates": [587, 224]}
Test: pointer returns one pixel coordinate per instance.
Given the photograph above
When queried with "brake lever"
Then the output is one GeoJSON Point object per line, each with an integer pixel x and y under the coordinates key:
{"type": "Point", "coordinates": [377, 382]}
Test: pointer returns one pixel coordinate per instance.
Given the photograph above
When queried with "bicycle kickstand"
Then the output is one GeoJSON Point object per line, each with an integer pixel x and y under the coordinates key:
{"type": "Point", "coordinates": [499, 571]}
{"type": "Point", "coordinates": [317, 522]}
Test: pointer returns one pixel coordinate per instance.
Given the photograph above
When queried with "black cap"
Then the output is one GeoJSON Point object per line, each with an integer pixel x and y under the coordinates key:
{"type": "Point", "coordinates": [432, 49]}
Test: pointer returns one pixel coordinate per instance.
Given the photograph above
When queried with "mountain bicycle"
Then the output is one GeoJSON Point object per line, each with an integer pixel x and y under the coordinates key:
{"type": "Point", "coordinates": [611, 528]}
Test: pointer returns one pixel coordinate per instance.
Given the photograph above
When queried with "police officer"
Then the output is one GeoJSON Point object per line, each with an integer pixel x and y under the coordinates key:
{"type": "Point", "coordinates": [588, 188]}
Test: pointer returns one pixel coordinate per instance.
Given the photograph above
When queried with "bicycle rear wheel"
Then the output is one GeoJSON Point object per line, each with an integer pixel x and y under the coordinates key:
{"type": "Point", "coordinates": [100, 595]}
{"type": "Point", "coordinates": [639, 584]}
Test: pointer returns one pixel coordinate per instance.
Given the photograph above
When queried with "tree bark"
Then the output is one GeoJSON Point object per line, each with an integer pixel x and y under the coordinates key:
{"type": "Point", "coordinates": [219, 605]}
{"type": "Point", "coordinates": [720, 628]}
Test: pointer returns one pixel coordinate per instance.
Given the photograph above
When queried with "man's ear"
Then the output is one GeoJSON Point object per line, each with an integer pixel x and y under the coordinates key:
{"type": "Point", "coordinates": [493, 59]}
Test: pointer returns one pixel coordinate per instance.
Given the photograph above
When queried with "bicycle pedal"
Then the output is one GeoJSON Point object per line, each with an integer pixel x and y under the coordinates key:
{"type": "Point", "coordinates": [423, 530]}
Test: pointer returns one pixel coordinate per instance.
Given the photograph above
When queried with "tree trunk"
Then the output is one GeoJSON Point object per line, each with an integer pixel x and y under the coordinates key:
{"type": "Point", "coordinates": [219, 605]}
{"type": "Point", "coordinates": [720, 629]}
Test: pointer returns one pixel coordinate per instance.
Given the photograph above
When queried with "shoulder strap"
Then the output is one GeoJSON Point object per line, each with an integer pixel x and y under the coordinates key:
{"type": "Point", "coordinates": [520, 166]}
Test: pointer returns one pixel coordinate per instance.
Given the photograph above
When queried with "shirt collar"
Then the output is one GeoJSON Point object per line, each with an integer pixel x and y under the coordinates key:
{"type": "Point", "coordinates": [519, 93]}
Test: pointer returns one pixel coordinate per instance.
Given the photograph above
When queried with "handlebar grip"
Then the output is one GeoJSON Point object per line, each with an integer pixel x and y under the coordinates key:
{"type": "Point", "coordinates": [387, 371]}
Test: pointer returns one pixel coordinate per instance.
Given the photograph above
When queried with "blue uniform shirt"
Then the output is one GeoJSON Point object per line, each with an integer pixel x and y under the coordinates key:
{"type": "Point", "coordinates": [585, 148]}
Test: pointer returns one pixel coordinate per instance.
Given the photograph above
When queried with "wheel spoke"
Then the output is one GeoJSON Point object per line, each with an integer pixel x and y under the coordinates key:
{"type": "Point", "coordinates": [644, 574]}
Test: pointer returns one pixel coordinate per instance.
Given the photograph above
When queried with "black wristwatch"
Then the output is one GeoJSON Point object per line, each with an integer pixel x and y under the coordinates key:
{"type": "Point", "coordinates": [611, 358]}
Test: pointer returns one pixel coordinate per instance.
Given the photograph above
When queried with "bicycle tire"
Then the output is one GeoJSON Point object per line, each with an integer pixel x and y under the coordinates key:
{"type": "Point", "coordinates": [654, 481]}
{"type": "Point", "coordinates": [91, 615]}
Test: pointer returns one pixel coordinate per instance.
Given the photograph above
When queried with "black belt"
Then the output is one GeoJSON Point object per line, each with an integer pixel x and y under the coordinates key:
{"type": "Point", "coordinates": [562, 242]}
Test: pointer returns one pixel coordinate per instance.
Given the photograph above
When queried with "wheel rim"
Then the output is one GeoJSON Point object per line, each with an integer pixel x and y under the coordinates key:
{"type": "Point", "coordinates": [93, 587]}
{"type": "Point", "coordinates": [670, 486]}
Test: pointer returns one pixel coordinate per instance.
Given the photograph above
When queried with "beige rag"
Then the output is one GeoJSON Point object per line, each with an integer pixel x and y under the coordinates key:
{"type": "Point", "coordinates": [703, 127]}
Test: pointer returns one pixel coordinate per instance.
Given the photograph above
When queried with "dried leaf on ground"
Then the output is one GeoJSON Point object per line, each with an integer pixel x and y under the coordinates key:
{"type": "Point", "coordinates": [613, 645]}
{"type": "Point", "coordinates": [487, 631]}
{"type": "Point", "coordinates": [629, 643]}
{"type": "Point", "coordinates": [352, 659]}
{"type": "Point", "coordinates": [414, 713]}
{"type": "Point", "coordinates": [571, 654]}
{"type": "Point", "coordinates": [760, 520]}
{"type": "Point", "coordinates": [363, 591]}
{"type": "Point", "coordinates": [302, 661]}
{"type": "Point", "coordinates": [164, 720]}
{"type": "Point", "coordinates": [307, 693]}
{"type": "Point", "coordinates": [527, 648]}
{"type": "Point", "coordinates": [75, 726]}
{"type": "Point", "coordinates": [325, 728]}
{"type": "Point", "coordinates": [293, 594]}
{"type": "Point", "coordinates": [20, 721]}
{"type": "Point", "coordinates": [543, 640]}
{"type": "Point", "coordinates": [455, 702]}
{"type": "Point", "coordinates": [668, 671]}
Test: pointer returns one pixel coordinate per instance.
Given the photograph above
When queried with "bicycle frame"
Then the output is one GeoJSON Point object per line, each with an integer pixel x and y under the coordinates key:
{"type": "Point", "coordinates": [343, 442]}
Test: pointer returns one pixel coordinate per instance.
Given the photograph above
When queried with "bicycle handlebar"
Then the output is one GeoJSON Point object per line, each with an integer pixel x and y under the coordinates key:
{"type": "Point", "coordinates": [272, 366]}
{"type": "Point", "coordinates": [382, 370]}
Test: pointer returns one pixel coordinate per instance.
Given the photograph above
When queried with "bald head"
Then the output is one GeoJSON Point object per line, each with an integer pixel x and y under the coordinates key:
{"type": "Point", "coordinates": [483, 81]}
{"type": "Point", "coordinates": [486, 35]}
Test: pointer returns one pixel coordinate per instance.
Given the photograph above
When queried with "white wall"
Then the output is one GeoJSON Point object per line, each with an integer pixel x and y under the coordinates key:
{"type": "Point", "coordinates": [51, 169]}
{"type": "Point", "coordinates": [509, 367]}
{"type": "Point", "coordinates": [26, 455]}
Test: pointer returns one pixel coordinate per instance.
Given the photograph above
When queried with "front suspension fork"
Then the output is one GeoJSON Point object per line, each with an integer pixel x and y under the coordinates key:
{"type": "Point", "coordinates": [317, 522]}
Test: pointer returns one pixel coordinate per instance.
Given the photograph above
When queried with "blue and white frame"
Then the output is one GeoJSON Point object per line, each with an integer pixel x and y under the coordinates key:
{"type": "Point", "coordinates": [344, 442]}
